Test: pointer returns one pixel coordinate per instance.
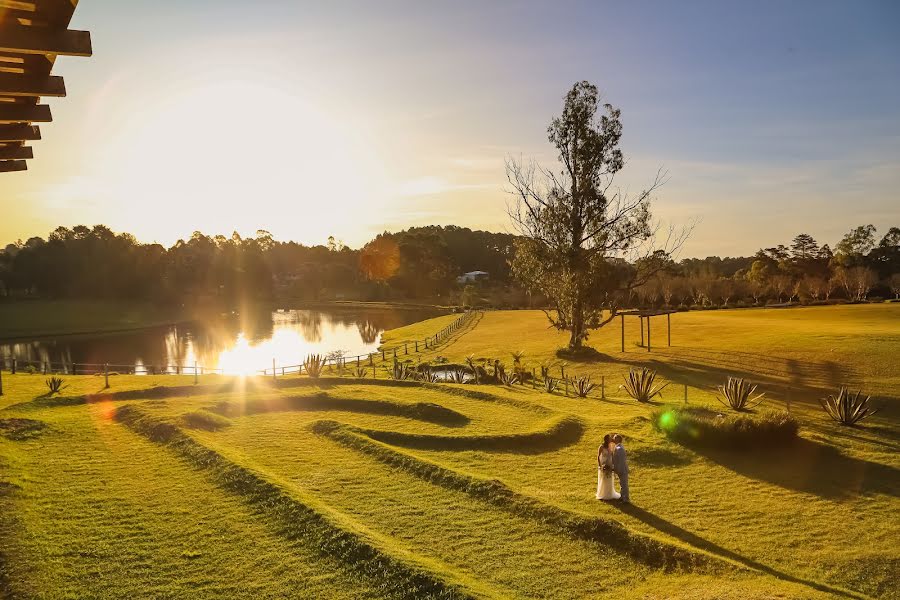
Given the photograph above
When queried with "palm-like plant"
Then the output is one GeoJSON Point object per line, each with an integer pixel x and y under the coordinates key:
{"type": "Point", "coordinates": [737, 392]}
{"type": "Point", "coordinates": [314, 365]}
{"type": "Point", "coordinates": [360, 372]}
{"type": "Point", "coordinates": [639, 385]}
{"type": "Point", "coordinates": [401, 371]}
{"type": "Point", "coordinates": [550, 384]}
{"type": "Point", "coordinates": [429, 376]}
{"type": "Point", "coordinates": [582, 386]}
{"type": "Point", "coordinates": [54, 384]}
{"type": "Point", "coordinates": [517, 357]}
{"type": "Point", "coordinates": [456, 376]}
{"type": "Point", "coordinates": [847, 408]}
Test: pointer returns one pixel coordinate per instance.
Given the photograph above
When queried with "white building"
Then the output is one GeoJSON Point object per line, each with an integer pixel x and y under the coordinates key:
{"type": "Point", "coordinates": [472, 277]}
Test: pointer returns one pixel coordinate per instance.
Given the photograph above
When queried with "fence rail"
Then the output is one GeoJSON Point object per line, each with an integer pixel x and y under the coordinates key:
{"type": "Point", "coordinates": [402, 348]}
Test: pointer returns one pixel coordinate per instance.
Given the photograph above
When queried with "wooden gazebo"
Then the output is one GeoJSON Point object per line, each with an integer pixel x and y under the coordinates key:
{"type": "Point", "coordinates": [32, 34]}
{"type": "Point", "coordinates": [644, 316]}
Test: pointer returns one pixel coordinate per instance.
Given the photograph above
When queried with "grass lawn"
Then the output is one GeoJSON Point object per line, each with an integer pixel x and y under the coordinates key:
{"type": "Point", "coordinates": [345, 488]}
{"type": "Point", "coordinates": [60, 317]}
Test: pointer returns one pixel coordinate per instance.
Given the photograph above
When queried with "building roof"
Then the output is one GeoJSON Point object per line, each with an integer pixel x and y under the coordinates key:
{"type": "Point", "coordinates": [32, 34]}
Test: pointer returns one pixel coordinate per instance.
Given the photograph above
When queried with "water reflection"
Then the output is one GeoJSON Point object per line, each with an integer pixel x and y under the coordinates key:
{"type": "Point", "coordinates": [237, 343]}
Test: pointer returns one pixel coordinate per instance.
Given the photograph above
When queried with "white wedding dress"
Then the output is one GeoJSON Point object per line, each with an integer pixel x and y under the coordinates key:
{"type": "Point", "coordinates": [605, 488]}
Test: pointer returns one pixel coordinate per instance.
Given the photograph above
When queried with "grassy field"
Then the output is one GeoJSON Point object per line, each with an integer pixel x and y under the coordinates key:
{"type": "Point", "coordinates": [342, 488]}
{"type": "Point", "coordinates": [59, 317]}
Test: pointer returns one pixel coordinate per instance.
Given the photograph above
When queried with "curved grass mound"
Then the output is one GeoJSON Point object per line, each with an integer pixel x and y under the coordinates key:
{"type": "Point", "coordinates": [396, 574]}
{"type": "Point", "coordinates": [640, 547]}
{"type": "Point", "coordinates": [556, 433]}
{"type": "Point", "coordinates": [695, 426]}
{"type": "Point", "coordinates": [420, 411]}
{"type": "Point", "coordinates": [206, 420]}
{"type": "Point", "coordinates": [21, 429]}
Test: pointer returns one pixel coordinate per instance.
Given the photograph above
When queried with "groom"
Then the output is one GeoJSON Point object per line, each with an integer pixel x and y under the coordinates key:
{"type": "Point", "coordinates": [620, 466]}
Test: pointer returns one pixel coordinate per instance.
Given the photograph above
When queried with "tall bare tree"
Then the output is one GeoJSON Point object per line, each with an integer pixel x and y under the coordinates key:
{"type": "Point", "coordinates": [581, 237]}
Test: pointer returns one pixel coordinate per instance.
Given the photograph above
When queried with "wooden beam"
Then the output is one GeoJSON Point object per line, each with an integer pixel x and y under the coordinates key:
{"type": "Point", "coordinates": [24, 85]}
{"type": "Point", "coordinates": [16, 152]}
{"type": "Point", "coordinates": [44, 40]}
{"type": "Point", "coordinates": [25, 113]}
{"type": "Point", "coordinates": [8, 166]}
{"type": "Point", "coordinates": [19, 133]}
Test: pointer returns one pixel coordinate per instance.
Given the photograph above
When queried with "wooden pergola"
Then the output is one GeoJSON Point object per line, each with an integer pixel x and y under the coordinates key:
{"type": "Point", "coordinates": [645, 315]}
{"type": "Point", "coordinates": [32, 34]}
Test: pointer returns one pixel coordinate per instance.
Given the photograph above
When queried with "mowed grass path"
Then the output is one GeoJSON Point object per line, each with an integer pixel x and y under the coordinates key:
{"type": "Point", "coordinates": [443, 490]}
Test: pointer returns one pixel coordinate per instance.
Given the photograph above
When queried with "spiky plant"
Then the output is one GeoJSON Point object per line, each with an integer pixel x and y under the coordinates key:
{"type": "Point", "coordinates": [360, 372]}
{"type": "Point", "coordinates": [472, 362]}
{"type": "Point", "coordinates": [737, 392]}
{"type": "Point", "coordinates": [582, 386]}
{"type": "Point", "coordinates": [847, 408]}
{"type": "Point", "coordinates": [314, 365]}
{"type": "Point", "coordinates": [639, 385]}
{"type": "Point", "coordinates": [429, 375]}
{"type": "Point", "coordinates": [456, 376]}
{"type": "Point", "coordinates": [401, 371]}
{"type": "Point", "coordinates": [517, 357]}
{"type": "Point", "coordinates": [54, 384]}
{"type": "Point", "coordinates": [550, 384]}
{"type": "Point", "coordinates": [508, 379]}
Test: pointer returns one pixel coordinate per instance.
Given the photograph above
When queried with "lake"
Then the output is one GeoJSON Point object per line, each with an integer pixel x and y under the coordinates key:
{"type": "Point", "coordinates": [237, 343]}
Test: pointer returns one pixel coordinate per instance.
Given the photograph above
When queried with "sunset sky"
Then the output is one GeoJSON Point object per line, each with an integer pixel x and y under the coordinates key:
{"type": "Point", "coordinates": [318, 118]}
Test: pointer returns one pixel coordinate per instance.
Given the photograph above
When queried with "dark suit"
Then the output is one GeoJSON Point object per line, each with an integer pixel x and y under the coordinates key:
{"type": "Point", "coordinates": [620, 465]}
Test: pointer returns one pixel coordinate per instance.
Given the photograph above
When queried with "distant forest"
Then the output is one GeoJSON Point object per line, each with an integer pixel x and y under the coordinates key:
{"type": "Point", "coordinates": [419, 264]}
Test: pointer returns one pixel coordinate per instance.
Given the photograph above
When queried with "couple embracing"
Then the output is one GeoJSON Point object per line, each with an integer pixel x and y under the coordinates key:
{"type": "Point", "coordinates": [611, 458]}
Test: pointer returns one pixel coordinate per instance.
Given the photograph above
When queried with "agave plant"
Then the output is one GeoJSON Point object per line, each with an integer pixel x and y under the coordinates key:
{"type": "Point", "coordinates": [508, 379]}
{"type": "Point", "coordinates": [401, 371]}
{"type": "Point", "coordinates": [582, 386]}
{"type": "Point", "coordinates": [456, 376]}
{"type": "Point", "coordinates": [737, 392]}
{"type": "Point", "coordinates": [314, 365]}
{"type": "Point", "coordinates": [54, 384]}
{"type": "Point", "coordinates": [360, 372]}
{"type": "Point", "coordinates": [429, 376]}
{"type": "Point", "coordinates": [550, 384]}
{"type": "Point", "coordinates": [846, 408]}
{"type": "Point", "coordinates": [517, 357]}
{"type": "Point", "coordinates": [639, 385]}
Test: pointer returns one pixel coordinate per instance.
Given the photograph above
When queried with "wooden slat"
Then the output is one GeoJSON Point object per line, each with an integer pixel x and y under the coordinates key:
{"type": "Point", "coordinates": [16, 152]}
{"type": "Point", "coordinates": [7, 166]}
{"type": "Point", "coordinates": [44, 40]}
{"type": "Point", "coordinates": [19, 133]}
{"type": "Point", "coordinates": [24, 113]}
{"type": "Point", "coordinates": [24, 85]}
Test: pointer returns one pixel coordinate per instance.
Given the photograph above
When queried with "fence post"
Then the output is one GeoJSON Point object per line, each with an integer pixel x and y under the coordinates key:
{"type": "Point", "coordinates": [196, 374]}
{"type": "Point", "coordinates": [567, 388]}
{"type": "Point", "coordinates": [648, 334]}
{"type": "Point", "coordinates": [603, 387]}
{"type": "Point", "coordinates": [382, 355]}
{"type": "Point", "coordinates": [274, 372]}
{"type": "Point", "coordinates": [562, 372]}
{"type": "Point", "coordinates": [106, 375]}
{"type": "Point", "coordinates": [371, 361]}
{"type": "Point", "coordinates": [14, 366]}
{"type": "Point", "coordinates": [1, 378]}
{"type": "Point", "coordinates": [405, 347]}
{"type": "Point", "coordinates": [73, 368]}
{"type": "Point", "coordinates": [417, 345]}
{"type": "Point", "coordinates": [685, 393]}
{"type": "Point", "coordinates": [395, 353]}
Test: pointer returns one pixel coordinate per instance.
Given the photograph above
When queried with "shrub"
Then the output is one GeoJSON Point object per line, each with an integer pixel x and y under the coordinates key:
{"type": "Point", "coordinates": [582, 386]}
{"type": "Point", "coordinates": [517, 357]}
{"type": "Point", "coordinates": [847, 409]}
{"type": "Point", "coordinates": [550, 384]}
{"type": "Point", "coordinates": [456, 376]}
{"type": "Point", "coordinates": [54, 384]}
{"type": "Point", "coordinates": [314, 365]}
{"type": "Point", "coordinates": [429, 376]}
{"type": "Point", "coordinates": [705, 427]}
{"type": "Point", "coordinates": [737, 392]}
{"type": "Point", "coordinates": [360, 372]}
{"type": "Point", "coordinates": [639, 385]}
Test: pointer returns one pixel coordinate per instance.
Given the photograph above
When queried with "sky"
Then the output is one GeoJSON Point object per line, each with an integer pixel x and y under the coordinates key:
{"type": "Point", "coordinates": [310, 119]}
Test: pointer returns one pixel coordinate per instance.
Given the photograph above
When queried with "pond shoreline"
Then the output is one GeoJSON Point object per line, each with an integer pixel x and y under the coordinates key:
{"type": "Point", "coordinates": [145, 316]}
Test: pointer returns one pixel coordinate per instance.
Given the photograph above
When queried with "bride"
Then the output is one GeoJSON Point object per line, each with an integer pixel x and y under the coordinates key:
{"type": "Point", "coordinates": [605, 488]}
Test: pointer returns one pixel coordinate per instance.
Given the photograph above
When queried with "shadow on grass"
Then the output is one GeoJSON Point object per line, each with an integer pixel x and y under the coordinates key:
{"type": "Point", "coordinates": [811, 467]}
{"type": "Point", "coordinates": [695, 540]}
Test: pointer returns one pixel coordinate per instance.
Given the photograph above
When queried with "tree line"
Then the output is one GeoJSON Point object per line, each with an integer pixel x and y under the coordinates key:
{"type": "Point", "coordinates": [97, 263]}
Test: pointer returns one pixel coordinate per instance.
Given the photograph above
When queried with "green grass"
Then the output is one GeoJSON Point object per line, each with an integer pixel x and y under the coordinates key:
{"type": "Point", "coordinates": [62, 317]}
{"type": "Point", "coordinates": [344, 488]}
{"type": "Point", "coordinates": [417, 331]}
